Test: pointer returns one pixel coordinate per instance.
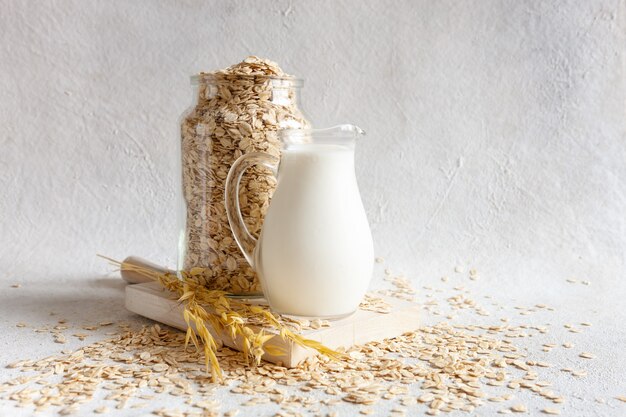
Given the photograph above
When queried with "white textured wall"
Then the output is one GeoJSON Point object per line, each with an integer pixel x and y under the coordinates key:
{"type": "Point", "coordinates": [496, 129]}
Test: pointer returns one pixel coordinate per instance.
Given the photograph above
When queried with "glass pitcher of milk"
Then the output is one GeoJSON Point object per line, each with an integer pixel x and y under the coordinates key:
{"type": "Point", "coordinates": [314, 256]}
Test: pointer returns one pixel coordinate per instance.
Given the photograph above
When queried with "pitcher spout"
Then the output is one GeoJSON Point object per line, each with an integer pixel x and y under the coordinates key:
{"type": "Point", "coordinates": [342, 131]}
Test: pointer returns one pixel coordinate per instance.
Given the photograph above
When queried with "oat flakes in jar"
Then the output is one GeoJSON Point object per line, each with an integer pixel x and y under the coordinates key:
{"type": "Point", "coordinates": [235, 111]}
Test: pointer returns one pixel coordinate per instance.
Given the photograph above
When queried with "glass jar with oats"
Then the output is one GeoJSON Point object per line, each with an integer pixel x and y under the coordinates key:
{"type": "Point", "coordinates": [235, 111]}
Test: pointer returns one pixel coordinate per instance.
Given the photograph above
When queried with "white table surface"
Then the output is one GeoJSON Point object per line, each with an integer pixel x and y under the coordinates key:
{"type": "Point", "coordinates": [601, 303]}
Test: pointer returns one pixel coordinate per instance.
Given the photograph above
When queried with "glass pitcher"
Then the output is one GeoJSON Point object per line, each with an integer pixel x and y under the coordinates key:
{"type": "Point", "coordinates": [314, 256]}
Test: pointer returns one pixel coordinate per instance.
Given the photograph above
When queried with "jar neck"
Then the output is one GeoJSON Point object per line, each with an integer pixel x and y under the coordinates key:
{"type": "Point", "coordinates": [221, 78]}
{"type": "Point", "coordinates": [247, 89]}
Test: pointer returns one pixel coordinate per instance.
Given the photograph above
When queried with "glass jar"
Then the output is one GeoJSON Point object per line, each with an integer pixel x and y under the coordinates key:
{"type": "Point", "coordinates": [231, 115]}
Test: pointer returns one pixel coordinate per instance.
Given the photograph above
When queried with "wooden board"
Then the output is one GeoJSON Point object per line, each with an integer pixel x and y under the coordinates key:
{"type": "Point", "coordinates": [149, 300]}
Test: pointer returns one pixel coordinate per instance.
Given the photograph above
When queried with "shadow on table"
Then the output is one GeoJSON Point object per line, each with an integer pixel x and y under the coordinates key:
{"type": "Point", "coordinates": [79, 301]}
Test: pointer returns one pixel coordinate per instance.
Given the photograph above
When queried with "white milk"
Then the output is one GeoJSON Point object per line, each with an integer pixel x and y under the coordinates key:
{"type": "Point", "coordinates": [315, 253]}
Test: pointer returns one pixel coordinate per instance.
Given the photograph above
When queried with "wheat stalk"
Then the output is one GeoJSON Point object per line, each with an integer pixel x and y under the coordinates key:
{"type": "Point", "coordinates": [206, 309]}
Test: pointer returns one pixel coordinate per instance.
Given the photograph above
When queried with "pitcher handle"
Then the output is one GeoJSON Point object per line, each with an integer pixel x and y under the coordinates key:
{"type": "Point", "coordinates": [244, 239]}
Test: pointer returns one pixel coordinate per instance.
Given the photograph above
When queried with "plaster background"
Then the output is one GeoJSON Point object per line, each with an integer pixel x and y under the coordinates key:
{"type": "Point", "coordinates": [496, 129]}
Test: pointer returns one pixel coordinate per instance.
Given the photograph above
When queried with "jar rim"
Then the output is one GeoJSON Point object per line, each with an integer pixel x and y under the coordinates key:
{"type": "Point", "coordinates": [280, 81]}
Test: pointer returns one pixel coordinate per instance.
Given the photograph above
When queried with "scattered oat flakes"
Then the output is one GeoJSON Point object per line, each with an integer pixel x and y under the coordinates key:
{"type": "Point", "coordinates": [425, 398]}
{"type": "Point", "coordinates": [496, 399]}
{"type": "Point", "coordinates": [587, 355]}
{"type": "Point", "coordinates": [473, 274]}
{"type": "Point", "coordinates": [519, 408]}
{"type": "Point", "coordinates": [373, 303]}
{"type": "Point", "coordinates": [549, 410]}
{"type": "Point", "coordinates": [437, 356]}
{"type": "Point", "coordinates": [160, 367]}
